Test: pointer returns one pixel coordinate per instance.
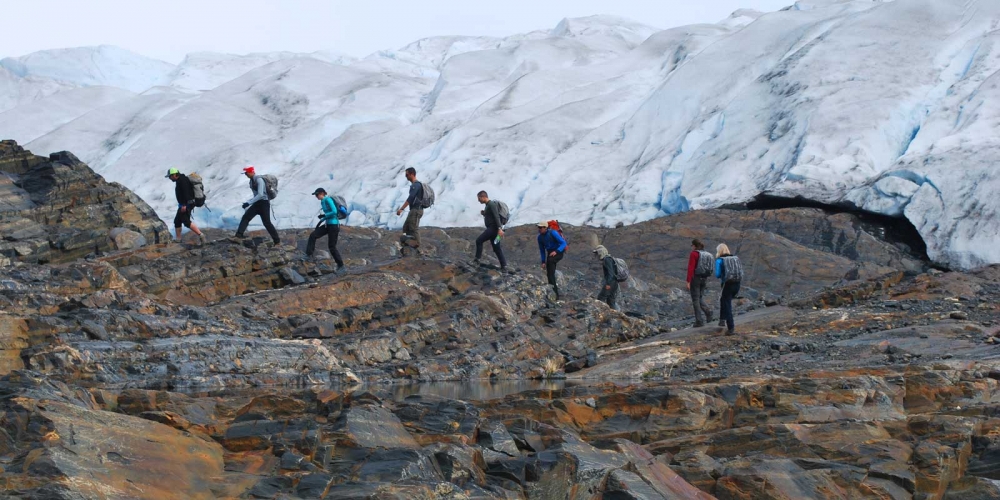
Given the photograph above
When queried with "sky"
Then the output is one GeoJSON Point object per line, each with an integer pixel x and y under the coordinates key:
{"type": "Point", "coordinates": [169, 29]}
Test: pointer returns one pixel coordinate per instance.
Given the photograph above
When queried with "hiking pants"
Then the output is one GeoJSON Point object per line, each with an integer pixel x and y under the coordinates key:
{"type": "Point", "coordinates": [701, 309]}
{"type": "Point", "coordinates": [183, 218]}
{"type": "Point", "coordinates": [609, 296]}
{"type": "Point", "coordinates": [550, 267]}
{"type": "Point", "coordinates": [263, 209]}
{"type": "Point", "coordinates": [490, 234]}
{"type": "Point", "coordinates": [332, 232]}
{"type": "Point", "coordinates": [412, 226]}
{"type": "Point", "coordinates": [729, 290]}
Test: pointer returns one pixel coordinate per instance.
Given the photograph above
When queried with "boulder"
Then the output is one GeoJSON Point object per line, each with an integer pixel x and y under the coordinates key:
{"type": "Point", "coordinates": [126, 239]}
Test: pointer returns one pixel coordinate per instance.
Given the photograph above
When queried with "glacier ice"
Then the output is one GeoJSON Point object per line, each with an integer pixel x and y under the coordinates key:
{"type": "Point", "coordinates": [887, 106]}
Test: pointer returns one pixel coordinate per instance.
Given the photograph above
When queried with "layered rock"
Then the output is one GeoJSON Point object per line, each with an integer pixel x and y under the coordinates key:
{"type": "Point", "coordinates": [238, 369]}
{"type": "Point", "coordinates": [57, 209]}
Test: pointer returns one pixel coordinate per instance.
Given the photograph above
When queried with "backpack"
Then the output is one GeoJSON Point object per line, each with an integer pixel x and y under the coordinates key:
{"type": "Point", "coordinates": [271, 186]}
{"type": "Point", "coordinates": [426, 196]}
{"type": "Point", "coordinates": [706, 264]}
{"type": "Point", "coordinates": [503, 212]}
{"type": "Point", "coordinates": [554, 226]}
{"type": "Point", "coordinates": [733, 268]}
{"type": "Point", "coordinates": [199, 189]}
{"type": "Point", "coordinates": [341, 204]}
{"type": "Point", "coordinates": [621, 270]}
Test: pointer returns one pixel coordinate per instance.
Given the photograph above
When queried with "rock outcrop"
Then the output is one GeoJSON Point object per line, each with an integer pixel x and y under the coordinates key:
{"type": "Point", "coordinates": [57, 209]}
{"type": "Point", "coordinates": [238, 369]}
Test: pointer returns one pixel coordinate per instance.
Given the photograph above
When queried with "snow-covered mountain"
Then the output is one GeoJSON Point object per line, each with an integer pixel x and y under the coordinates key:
{"type": "Point", "coordinates": [89, 66]}
{"type": "Point", "coordinates": [889, 106]}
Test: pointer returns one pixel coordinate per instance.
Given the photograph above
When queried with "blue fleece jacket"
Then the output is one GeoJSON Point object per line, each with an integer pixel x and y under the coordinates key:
{"type": "Point", "coordinates": [551, 241]}
{"type": "Point", "coordinates": [329, 210]}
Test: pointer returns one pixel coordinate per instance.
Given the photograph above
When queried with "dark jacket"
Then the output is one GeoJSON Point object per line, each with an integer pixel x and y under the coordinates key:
{"type": "Point", "coordinates": [491, 215]}
{"type": "Point", "coordinates": [184, 190]}
{"type": "Point", "coordinates": [416, 194]}
{"type": "Point", "coordinates": [551, 241]}
{"type": "Point", "coordinates": [609, 271]}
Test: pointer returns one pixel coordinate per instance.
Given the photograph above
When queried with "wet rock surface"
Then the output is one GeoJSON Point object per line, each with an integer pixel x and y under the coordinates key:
{"type": "Point", "coordinates": [238, 369]}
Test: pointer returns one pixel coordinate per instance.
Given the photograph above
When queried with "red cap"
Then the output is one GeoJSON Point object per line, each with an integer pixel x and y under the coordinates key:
{"type": "Point", "coordinates": [248, 169]}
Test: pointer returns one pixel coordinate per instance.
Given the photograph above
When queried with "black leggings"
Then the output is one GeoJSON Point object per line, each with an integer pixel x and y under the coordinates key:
{"type": "Point", "coordinates": [490, 234]}
{"type": "Point", "coordinates": [332, 232]}
{"type": "Point", "coordinates": [729, 291]}
{"type": "Point", "coordinates": [263, 209]}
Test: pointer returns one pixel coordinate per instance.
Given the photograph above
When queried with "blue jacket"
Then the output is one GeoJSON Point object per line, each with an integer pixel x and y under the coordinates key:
{"type": "Point", "coordinates": [329, 210]}
{"type": "Point", "coordinates": [551, 241]}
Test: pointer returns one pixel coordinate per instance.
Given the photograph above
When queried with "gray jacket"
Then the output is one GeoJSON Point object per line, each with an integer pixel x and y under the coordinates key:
{"type": "Point", "coordinates": [491, 215]}
{"type": "Point", "coordinates": [259, 188]}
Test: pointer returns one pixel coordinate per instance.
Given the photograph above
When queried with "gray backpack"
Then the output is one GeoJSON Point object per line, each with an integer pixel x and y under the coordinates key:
{"type": "Point", "coordinates": [427, 196]}
{"type": "Point", "coordinates": [621, 270]}
{"type": "Point", "coordinates": [502, 211]}
{"type": "Point", "coordinates": [199, 189]}
{"type": "Point", "coordinates": [341, 204]}
{"type": "Point", "coordinates": [732, 268]}
{"type": "Point", "coordinates": [706, 264]}
{"type": "Point", "coordinates": [271, 185]}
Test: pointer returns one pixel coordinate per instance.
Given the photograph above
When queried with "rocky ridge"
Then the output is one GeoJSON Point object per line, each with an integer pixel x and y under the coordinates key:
{"type": "Point", "coordinates": [241, 370]}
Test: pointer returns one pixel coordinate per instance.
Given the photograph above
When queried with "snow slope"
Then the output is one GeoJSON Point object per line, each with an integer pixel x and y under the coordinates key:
{"type": "Point", "coordinates": [87, 66]}
{"type": "Point", "coordinates": [887, 106]}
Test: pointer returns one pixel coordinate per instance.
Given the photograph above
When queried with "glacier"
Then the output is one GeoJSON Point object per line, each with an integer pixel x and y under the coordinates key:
{"type": "Point", "coordinates": [883, 106]}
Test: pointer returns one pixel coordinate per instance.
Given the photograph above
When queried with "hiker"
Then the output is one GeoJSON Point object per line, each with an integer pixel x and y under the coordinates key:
{"type": "Point", "coordinates": [552, 247]}
{"type": "Point", "coordinates": [259, 205]}
{"type": "Point", "coordinates": [420, 197]}
{"type": "Point", "coordinates": [609, 283]}
{"type": "Point", "coordinates": [184, 191]}
{"type": "Point", "coordinates": [730, 271]}
{"type": "Point", "coordinates": [330, 227]}
{"type": "Point", "coordinates": [493, 217]}
{"type": "Point", "coordinates": [701, 265]}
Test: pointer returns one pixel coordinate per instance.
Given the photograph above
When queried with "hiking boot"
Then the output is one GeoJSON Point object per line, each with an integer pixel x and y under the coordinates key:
{"type": "Point", "coordinates": [709, 318]}
{"type": "Point", "coordinates": [730, 332]}
{"type": "Point", "coordinates": [202, 240]}
{"type": "Point", "coordinates": [699, 324]}
{"type": "Point", "coordinates": [722, 322]}
{"type": "Point", "coordinates": [340, 269]}
{"type": "Point", "coordinates": [477, 263]}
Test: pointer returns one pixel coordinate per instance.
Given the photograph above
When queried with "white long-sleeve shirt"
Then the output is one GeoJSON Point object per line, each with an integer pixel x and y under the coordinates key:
{"type": "Point", "coordinates": [259, 188]}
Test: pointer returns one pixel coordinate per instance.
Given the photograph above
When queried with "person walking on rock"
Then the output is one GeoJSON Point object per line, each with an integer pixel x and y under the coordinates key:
{"type": "Point", "coordinates": [259, 205]}
{"type": "Point", "coordinates": [184, 191]}
{"type": "Point", "coordinates": [729, 270]}
{"type": "Point", "coordinates": [609, 283]}
{"type": "Point", "coordinates": [494, 222]}
{"type": "Point", "coordinates": [552, 247]}
{"type": "Point", "coordinates": [701, 265]}
{"type": "Point", "coordinates": [330, 227]}
{"type": "Point", "coordinates": [417, 201]}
